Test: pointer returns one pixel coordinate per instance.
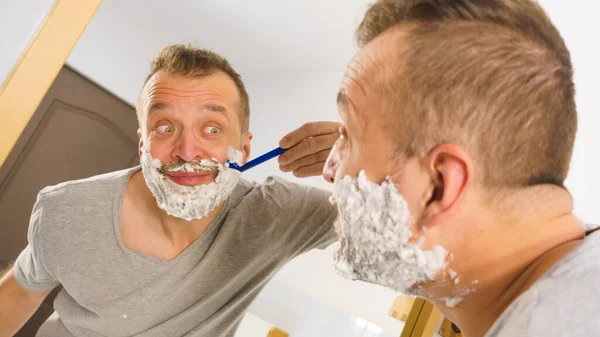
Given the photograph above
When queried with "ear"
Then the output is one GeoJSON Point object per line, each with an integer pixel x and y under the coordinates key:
{"type": "Point", "coordinates": [141, 142]}
{"type": "Point", "coordinates": [246, 139]}
{"type": "Point", "coordinates": [451, 169]}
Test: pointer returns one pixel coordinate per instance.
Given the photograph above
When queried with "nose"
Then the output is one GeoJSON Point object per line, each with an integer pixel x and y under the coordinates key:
{"type": "Point", "coordinates": [188, 147]}
{"type": "Point", "coordinates": [331, 165]}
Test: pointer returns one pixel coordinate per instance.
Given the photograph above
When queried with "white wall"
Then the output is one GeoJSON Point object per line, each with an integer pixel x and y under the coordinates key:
{"type": "Point", "coordinates": [253, 326]}
{"type": "Point", "coordinates": [579, 25]}
{"type": "Point", "coordinates": [19, 23]}
{"type": "Point", "coordinates": [257, 37]}
{"type": "Point", "coordinates": [302, 315]}
{"type": "Point", "coordinates": [281, 102]}
{"type": "Point", "coordinates": [313, 274]}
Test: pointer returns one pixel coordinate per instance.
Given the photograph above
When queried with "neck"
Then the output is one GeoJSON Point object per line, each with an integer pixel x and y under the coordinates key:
{"type": "Point", "coordinates": [506, 258]}
{"type": "Point", "coordinates": [181, 233]}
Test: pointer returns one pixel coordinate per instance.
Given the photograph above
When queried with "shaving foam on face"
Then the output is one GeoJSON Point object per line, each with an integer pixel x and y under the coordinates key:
{"type": "Point", "coordinates": [451, 302]}
{"type": "Point", "coordinates": [235, 156]}
{"type": "Point", "coordinates": [189, 202]}
{"type": "Point", "coordinates": [373, 226]}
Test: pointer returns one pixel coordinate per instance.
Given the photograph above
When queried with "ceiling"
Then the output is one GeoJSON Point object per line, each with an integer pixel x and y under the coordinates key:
{"type": "Point", "coordinates": [257, 37]}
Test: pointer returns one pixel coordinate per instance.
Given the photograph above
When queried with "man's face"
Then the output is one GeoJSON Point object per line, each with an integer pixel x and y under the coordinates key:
{"type": "Point", "coordinates": [190, 128]}
{"type": "Point", "coordinates": [189, 119]}
{"type": "Point", "coordinates": [380, 194]}
{"type": "Point", "coordinates": [366, 143]}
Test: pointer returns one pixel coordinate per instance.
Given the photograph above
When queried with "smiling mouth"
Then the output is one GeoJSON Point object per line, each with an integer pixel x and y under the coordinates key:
{"type": "Point", "coordinates": [200, 177]}
{"type": "Point", "coordinates": [165, 170]}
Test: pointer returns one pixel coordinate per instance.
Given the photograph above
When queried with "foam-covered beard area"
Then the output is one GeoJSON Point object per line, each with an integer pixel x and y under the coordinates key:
{"type": "Point", "coordinates": [190, 202]}
{"type": "Point", "coordinates": [374, 231]}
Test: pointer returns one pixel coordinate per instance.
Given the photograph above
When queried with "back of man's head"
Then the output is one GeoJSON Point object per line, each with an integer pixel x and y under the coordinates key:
{"type": "Point", "coordinates": [493, 76]}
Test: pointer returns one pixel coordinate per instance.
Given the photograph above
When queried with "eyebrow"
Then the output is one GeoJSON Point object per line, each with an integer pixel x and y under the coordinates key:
{"type": "Point", "coordinates": [342, 99]}
{"type": "Point", "coordinates": [216, 108]}
{"type": "Point", "coordinates": [155, 106]}
{"type": "Point", "coordinates": [210, 107]}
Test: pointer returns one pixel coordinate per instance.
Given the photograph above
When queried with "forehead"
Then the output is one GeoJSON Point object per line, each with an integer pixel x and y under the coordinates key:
{"type": "Point", "coordinates": [164, 86]}
{"type": "Point", "coordinates": [363, 90]}
{"type": "Point", "coordinates": [163, 91]}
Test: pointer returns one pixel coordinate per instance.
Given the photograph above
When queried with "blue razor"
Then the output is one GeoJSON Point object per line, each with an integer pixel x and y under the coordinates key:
{"type": "Point", "coordinates": [259, 160]}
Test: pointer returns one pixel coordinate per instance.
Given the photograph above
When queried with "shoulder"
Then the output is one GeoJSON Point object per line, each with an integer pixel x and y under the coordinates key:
{"type": "Point", "coordinates": [582, 265]}
{"type": "Point", "coordinates": [564, 302]}
{"type": "Point", "coordinates": [276, 193]}
{"type": "Point", "coordinates": [280, 187]}
{"type": "Point", "coordinates": [86, 189]}
{"type": "Point", "coordinates": [58, 206]}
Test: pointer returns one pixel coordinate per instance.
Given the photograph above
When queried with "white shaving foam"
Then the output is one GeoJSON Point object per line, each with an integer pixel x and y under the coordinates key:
{"type": "Point", "coordinates": [190, 202]}
{"type": "Point", "coordinates": [451, 302]}
{"type": "Point", "coordinates": [459, 296]}
{"type": "Point", "coordinates": [235, 156]}
{"type": "Point", "coordinates": [374, 232]}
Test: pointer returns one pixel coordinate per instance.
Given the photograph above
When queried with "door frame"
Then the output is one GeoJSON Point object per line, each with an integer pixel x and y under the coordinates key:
{"type": "Point", "coordinates": [38, 66]}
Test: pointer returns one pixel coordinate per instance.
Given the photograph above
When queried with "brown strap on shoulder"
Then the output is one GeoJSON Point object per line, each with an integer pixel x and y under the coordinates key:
{"type": "Point", "coordinates": [588, 232]}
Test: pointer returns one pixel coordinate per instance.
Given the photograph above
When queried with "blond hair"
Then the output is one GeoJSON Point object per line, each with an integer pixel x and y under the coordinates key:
{"type": "Point", "coordinates": [186, 60]}
{"type": "Point", "coordinates": [493, 76]}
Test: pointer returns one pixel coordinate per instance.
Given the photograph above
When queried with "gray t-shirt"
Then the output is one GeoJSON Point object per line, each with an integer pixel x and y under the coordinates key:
{"type": "Point", "coordinates": [109, 290]}
{"type": "Point", "coordinates": [564, 302]}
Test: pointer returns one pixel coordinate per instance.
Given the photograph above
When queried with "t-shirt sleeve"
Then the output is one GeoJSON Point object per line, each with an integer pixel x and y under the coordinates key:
{"type": "Point", "coordinates": [30, 269]}
{"type": "Point", "coordinates": [305, 213]}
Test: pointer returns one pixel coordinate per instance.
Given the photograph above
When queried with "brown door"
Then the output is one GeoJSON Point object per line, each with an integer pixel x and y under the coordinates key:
{"type": "Point", "coordinates": [79, 130]}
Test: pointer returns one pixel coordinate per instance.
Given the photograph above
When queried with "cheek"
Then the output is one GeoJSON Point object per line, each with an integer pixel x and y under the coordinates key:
{"type": "Point", "coordinates": [159, 151]}
{"type": "Point", "coordinates": [412, 192]}
{"type": "Point", "coordinates": [219, 150]}
{"type": "Point", "coordinates": [352, 161]}
{"type": "Point", "coordinates": [219, 153]}
{"type": "Point", "coordinates": [338, 163]}
{"type": "Point", "coordinates": [414, 183]}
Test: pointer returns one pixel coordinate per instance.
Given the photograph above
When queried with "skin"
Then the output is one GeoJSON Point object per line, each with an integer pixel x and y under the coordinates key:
{"type": "Point", "coordinates": [498, 254]}
{"type": "Point", "coordinates": [308, 148]}
{"type": "Point", "coordinates": [183, 119]}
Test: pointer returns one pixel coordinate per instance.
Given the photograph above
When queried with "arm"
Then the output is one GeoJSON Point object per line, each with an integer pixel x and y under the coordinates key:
{"type": "Point", "coordinates": [29, 281]}
{"type": "Point", "coordinates": [302, 217]}
{"type": "Point", "coordinates": [17, 304]}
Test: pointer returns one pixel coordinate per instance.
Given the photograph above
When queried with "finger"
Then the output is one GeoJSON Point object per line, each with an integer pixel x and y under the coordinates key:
{"type": "Point", "coordinates": [309, 171]}
{"type": "Point", "coordinates": [319, 157]}
{"type": "Point", "coordinates": [307, 147]}
{"type": "Point", "coordinates": [307, 130]}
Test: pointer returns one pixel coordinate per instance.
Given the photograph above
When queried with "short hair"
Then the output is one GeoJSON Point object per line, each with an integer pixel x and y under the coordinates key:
{"type": "Point", "coordinates": [186, 60]}
{"type": "Point", "coordinates": [493, 76]}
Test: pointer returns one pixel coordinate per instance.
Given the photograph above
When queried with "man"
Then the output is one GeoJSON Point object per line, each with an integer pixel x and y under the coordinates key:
{"type": "Point", "coordinates": [458, 127]}
{"type": "Point", "coordinates": [181, 246]}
